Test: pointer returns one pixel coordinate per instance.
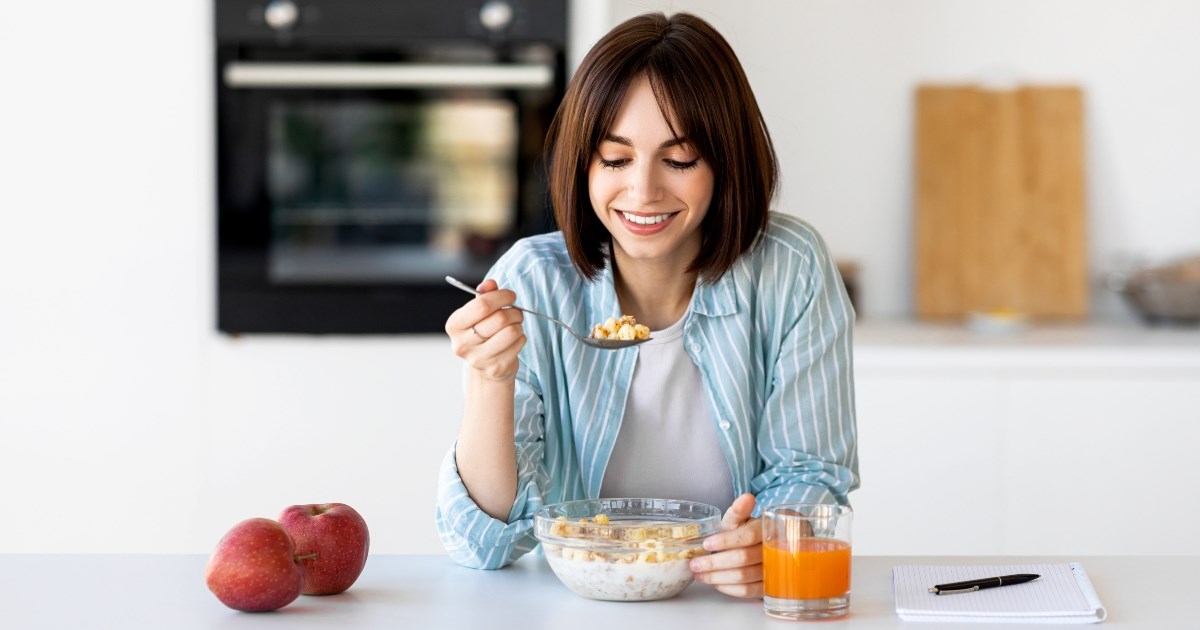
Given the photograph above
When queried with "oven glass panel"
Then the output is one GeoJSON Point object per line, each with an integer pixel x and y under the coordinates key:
{"type": "Point", "coordinates": [377, 191]}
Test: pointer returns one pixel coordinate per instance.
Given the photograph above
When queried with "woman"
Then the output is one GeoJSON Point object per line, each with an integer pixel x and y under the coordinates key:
{"type": "Point", "coordinates": [661, 174]}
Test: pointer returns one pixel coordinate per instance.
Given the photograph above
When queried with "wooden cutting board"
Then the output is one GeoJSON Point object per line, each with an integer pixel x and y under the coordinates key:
{"type": "Point", "coordinates": [999, 199]}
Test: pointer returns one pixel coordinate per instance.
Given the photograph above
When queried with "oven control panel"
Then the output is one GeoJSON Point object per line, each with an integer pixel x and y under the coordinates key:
{"type": "Point", "coordinates": [496, 15]}
{"type": "Point", "coordinates": [340, 21]}
{"type": "Point", "coordinates": [281, 15]}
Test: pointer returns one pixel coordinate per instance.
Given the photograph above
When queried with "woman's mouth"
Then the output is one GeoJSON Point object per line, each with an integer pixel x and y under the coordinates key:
{"type": "Point", "coordinates": [643, 219]}
{"type": "Point", "coordinates": [646, 223]}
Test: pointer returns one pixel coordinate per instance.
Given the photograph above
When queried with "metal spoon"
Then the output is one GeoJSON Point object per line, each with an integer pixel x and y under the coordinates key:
{"type": "Point", "coordinates": [606, 344]}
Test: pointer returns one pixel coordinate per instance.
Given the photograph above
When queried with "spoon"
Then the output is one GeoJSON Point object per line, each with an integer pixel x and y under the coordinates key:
{"type": "Point", "coordinates": [606, 344]}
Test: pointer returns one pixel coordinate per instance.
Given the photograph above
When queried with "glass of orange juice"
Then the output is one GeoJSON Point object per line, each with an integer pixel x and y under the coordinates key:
{"type": "Point", "coordinates": [806, 560]}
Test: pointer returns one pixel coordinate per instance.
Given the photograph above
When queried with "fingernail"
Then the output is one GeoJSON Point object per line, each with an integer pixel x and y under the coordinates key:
{"type": "Point", "coordinates": [709, 544]}
{"type": "Point", "coordinates": [696, 566]}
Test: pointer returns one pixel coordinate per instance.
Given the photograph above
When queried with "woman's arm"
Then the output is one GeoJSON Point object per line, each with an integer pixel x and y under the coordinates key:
{"type": "Point", "coordinates": [493, 478]}
{"type": "Point", "coordinates": [807, 435]}
{"type": "Point", "coordinates": [472, 536]}
{"type": "Point", "coordinates": [489, 338]}
{"type": "Point", "coordinates": [486, 454]}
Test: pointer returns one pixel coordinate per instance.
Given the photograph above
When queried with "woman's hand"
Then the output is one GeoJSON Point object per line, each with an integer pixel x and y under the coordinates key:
{"type": "Point", "coordinates": [735, 565]}
{"type": "Point", "coordinates": [486, 335]}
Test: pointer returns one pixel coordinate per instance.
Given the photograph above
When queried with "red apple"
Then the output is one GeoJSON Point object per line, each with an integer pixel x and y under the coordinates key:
{"type": "Point", "coordinates": [254, 567]}
{"type": "Point", "coordinates": [336, 536]}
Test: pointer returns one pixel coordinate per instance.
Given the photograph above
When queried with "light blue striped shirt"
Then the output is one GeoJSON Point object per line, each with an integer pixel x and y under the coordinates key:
{"type": "Point", "coordinates": [772, 339]}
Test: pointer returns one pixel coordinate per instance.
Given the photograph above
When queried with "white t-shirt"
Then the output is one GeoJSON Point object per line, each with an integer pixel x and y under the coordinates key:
{"type": "Point", "coordinates": [667, 446]}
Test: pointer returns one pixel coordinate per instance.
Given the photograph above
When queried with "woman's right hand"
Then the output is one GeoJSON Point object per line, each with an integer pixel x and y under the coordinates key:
{"type": "Point", "coordinates": [486, 335]}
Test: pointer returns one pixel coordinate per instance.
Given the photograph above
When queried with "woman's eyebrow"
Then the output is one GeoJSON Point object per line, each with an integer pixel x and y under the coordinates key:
{"type": "Point", "coordinates": [622, 140]}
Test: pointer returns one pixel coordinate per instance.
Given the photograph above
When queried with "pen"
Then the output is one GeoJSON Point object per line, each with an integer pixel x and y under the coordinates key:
{"type": "Point", "coordinates": [975, 585]}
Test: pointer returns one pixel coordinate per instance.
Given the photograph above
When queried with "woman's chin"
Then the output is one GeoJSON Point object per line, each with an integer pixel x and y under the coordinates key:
{"type": "Point", "coordinates": [637, 252]}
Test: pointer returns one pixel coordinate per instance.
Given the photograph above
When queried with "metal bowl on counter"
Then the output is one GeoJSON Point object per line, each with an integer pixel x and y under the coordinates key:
{"type": "Point", "coordinates": [1165, 294]}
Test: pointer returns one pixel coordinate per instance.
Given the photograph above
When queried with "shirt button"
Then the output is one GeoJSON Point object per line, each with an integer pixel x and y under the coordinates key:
{"type": "Point", "coordinates": [724, 424]}
{"type": "Point", "coordinates": [696, 347]}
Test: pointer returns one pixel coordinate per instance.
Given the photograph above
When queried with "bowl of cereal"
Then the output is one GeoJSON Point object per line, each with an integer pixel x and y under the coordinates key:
{"type": "Point", "coordinates": [625, 549]}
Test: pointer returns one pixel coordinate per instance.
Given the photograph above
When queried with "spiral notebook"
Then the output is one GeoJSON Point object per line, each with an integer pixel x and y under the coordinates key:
{"type": "Point", "coordinates": [1063, 594]}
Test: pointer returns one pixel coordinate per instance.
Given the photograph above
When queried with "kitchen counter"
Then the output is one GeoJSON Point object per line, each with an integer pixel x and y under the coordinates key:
{"type": "Point", "coordinates": [431, 592]}
{"type": "Point", "coordinates": [882, 343]}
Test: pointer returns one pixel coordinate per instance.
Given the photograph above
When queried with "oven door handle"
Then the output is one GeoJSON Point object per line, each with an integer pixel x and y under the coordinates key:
{"type": "Point", "coordinates": [254, 74]}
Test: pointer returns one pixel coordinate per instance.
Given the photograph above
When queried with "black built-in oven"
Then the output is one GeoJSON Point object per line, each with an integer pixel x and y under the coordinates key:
{"type": "Point", "coordinates": [366, 149]}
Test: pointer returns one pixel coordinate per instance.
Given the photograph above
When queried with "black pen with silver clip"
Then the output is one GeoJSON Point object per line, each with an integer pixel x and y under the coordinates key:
{"type": "Point", "coordinates": [975, 585]}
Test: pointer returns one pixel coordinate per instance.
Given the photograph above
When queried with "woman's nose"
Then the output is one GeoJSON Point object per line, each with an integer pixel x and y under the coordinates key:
{"type": "Point", "coordinates": [644, 185]}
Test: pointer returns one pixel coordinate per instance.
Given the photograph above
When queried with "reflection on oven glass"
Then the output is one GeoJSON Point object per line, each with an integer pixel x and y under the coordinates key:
{"type": "Point", "coordinates": [384, 192]}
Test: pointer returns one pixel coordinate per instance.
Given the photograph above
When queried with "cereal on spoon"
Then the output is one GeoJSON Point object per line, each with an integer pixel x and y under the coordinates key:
{"type": "Point", "coordinates": [624, 328]}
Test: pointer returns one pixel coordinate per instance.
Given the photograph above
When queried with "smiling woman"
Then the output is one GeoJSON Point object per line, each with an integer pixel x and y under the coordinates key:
{"type": "Point", "coordinates": [688, 106]}
{"type": "Point", "coordinates": [661, 175]}
{"type": "Point", "coordinates": [645, 182]}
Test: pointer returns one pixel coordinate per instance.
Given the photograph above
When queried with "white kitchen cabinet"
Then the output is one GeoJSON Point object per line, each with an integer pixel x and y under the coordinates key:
{"type": "Point", "coordinates": [928, 464]}
{"type": "Point", "coordinates": [1114, 459]}
{"type": "Point", "coordinates": [1068, 440]}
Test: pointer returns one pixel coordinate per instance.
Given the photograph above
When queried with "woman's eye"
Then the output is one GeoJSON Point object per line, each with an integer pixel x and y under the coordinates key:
{"type": "Point", "coordinates": [682, 166]}
{"type": "Point", "coordinates": [613, 164]}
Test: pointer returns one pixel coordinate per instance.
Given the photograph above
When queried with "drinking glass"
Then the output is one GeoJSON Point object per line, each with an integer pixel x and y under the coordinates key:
{"type": "Point", "coordinates": [806, 560]}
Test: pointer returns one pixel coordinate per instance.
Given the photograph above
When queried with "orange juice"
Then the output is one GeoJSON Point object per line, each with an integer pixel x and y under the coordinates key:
{"type": "Point", "coordinates": [806, 568]}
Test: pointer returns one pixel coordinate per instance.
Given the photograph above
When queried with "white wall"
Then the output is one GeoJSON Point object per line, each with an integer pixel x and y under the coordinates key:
{"type": "Point", "coordinates": [128, 424]}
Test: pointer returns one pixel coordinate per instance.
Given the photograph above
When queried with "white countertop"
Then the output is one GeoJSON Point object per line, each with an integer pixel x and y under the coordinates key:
{"type": "Point", "coordinates": [1095, 345]}
{"type": "Point", "coordinates": [135, 592]}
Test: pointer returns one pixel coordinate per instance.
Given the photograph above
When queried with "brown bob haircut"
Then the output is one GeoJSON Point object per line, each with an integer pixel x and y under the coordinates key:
{"type": "Point", "coordinates": [704, 96]}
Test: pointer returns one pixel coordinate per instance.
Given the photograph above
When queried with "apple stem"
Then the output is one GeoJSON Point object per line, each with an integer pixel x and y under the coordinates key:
{"type": "Point", "coordinates": [311, 556]}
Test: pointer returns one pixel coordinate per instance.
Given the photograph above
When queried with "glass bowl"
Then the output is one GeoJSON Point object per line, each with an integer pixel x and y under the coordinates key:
{"type": "Point", "coordinates": [625, 549]}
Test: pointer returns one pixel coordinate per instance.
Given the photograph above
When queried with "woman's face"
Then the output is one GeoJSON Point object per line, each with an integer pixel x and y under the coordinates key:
{"type": "Point", "coordinates": [649, 188]}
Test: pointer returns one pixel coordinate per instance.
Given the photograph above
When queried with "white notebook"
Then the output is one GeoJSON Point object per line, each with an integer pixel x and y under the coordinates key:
{"type": "Point", "coordinates": [1063, 594]}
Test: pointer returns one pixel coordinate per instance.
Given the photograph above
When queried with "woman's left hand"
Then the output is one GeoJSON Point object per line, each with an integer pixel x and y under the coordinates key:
{"type": "Point", "coordinates": [735, 565]}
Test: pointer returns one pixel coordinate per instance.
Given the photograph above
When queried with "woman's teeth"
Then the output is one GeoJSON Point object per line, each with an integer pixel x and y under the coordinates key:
{"type": "Point", "coordinates": [640, 220]}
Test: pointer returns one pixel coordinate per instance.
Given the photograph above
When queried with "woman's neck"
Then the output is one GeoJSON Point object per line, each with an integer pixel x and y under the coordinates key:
{"type": "Point", "coordinates": [656, 293]}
